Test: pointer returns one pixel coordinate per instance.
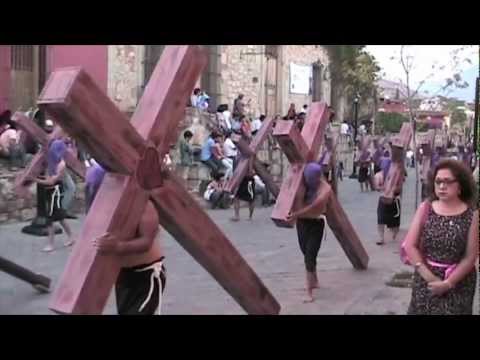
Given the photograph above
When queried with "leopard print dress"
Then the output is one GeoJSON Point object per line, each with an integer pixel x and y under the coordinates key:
{"type": "Point", "coordinates": [444, 240]}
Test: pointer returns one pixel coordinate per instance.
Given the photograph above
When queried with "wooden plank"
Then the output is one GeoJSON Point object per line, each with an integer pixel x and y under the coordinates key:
{"type": "Point", "coordinates": [247, 152]}
{"type": "Point", "coordinates": [31, 128]}
{"type": "Point", "coordinates": [86, 113]}
{"type": "Point", "coordinates": [185, 220]}
{"type": "Point", "coordinates": [88, 278]}
{"type": "Point", "coordinates": [40, 282]}
{"type": "Point", "coordinates": [291, 141]}
{"type": "Point", "coordinates": [291, 186]}
{"type": "Point", "coordinates": [162, 105]}
{"type": "Point", "coordinates": [346, 235]}
{"type": "Point", "coordinates": [314, 129]}
{"type": "Point", "coordinates": [34, 169]}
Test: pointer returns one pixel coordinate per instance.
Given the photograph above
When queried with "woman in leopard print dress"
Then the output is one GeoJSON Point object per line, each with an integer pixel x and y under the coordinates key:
{"type": "Point", "coordinates": [445, 249]}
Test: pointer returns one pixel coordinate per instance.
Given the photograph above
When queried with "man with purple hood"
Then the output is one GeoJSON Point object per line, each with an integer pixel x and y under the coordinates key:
{"type": "Point", "coordinates": [94, 178]}
{"type": "Point", "coordinates": [311, 221]}
{"type": "Point", "coordinates": [54, 192]}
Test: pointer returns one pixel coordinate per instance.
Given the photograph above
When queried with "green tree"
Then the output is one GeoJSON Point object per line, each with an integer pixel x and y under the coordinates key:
{"type": "Point", "coordinates": [389, 122]}
{"type": "Point", "coordinates": [458, 117]}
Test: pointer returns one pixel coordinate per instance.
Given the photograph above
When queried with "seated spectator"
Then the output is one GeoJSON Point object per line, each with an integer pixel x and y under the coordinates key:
{"type": "Point", "coordinates": [219, 155]}
{"type": "Point", "coordinates": [207, 157]}
{"type": "Point", "coordinates": [304, 110]}
{"type": "Point", "coordinates": [194, 97]}
{"type": "Point", "coordinates": [186, 154]}
{"type": "Point", "coordinates": [224, 118]}
{"type": "Point", "coordinates": [257, 124]}
{"type": "Point", "coordinates": [215, 194]}
{"type": "Point", "coordinates": [229, 148]}
{"type": "Point", "coordinates": [291, 114]}
{"type": "Point", "coordinates": [203, 101]}
{"type": "Point", "coordinates": [262, 189]}
{"type": "Point", "coordinates": [246, 127]}
{"type": "Point", "coordinates": [238, 107]}
{"type": "Point", "coordinates": [300, 121]}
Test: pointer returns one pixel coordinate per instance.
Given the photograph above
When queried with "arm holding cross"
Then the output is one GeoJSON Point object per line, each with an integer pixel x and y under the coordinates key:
{"type": "Point", "coordinates": [52, 180]}
{"type": "Point", "coordinates": [317, 207]}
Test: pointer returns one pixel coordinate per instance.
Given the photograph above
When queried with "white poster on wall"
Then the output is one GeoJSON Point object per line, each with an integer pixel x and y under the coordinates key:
{"type": "Point", "coordinates": [300, 79]}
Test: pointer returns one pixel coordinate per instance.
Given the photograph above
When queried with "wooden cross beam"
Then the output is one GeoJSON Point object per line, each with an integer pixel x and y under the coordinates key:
{"type": "Point", "coordinates": [426, 142]}
{"type": "Point", "coordinates": [396, 173]}
{"type": "Point", "coordinates": [300, 149]}
{"type": "Point", "coordinates": [38, 163]}
{"type": "Point", "coordinates": [39, 282]}
{"type": "Point", "coordinates": [132, 153]}
{"type": "Point", "coordinates": [248, 152]}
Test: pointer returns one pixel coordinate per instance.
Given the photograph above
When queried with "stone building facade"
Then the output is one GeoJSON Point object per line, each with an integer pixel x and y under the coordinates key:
{"type": "Point", "coordinates": [260, 72]}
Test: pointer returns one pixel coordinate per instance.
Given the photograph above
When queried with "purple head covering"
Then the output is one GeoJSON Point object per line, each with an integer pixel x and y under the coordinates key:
{"type": "Point", "coordinates": [311, 176]}
{"type": "Point", "coordinates": [94, 177]}
{"type": "Point", "coordinates": [56, 152]}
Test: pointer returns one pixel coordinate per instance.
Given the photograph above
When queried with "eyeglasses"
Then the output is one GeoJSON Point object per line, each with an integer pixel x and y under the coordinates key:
{"type": "Point", "coordinates": [447, 182]}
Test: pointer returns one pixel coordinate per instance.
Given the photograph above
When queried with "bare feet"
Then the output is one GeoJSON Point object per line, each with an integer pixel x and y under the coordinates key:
{"type": "Point", "coordinates": [69, 243]}
{"type": "Point", "coordinates": [309, 297]}
{"type": "Point", "coordinates": [48, 249]}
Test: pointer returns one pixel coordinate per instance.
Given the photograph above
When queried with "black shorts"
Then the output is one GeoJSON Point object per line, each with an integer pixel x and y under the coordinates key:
{"type": "Point", "coordinates": [389, 214]}
{"type": "Point", "coordinates": [376, 168]}
{"type": "Point", "coordinates": [133, 287]}
{"type": "Point", "coordinates": [246, 190]}
{"type": "Point", "coordinates": [363, 174]}
{"type": "Point", "coordinates": [53, 205]}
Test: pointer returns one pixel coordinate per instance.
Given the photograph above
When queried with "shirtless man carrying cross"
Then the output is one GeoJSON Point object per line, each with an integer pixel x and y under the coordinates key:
{"type": "Point", "coordinates": [142, 278]}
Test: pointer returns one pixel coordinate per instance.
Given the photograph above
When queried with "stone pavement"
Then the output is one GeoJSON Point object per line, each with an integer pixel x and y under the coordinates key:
{"type": "Point", "coordinates": [271, 251]}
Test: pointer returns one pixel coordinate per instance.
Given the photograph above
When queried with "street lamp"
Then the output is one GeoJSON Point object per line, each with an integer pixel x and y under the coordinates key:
{"type": "Point", "coordinates": [356, 100]}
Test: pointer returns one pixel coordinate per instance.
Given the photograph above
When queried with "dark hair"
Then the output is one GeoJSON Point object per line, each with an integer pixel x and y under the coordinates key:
{"type": "Point", "coordinates": [262, 117]}
{"type": "Point", "coordinates": [216, 135]}
{"type": "Point", "coordinates": [217, 175]}
{"type": "Point", "coordinates": [464, 177]}
{"type": "Point", "coordinates": [196, 91]}
{"type": "Point", "coordinates": [187, 134]}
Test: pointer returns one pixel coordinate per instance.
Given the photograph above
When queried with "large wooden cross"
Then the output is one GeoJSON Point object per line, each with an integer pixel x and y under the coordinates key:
{"type": "Point", "coordinates": [300, 149]}
{"type": "Point", "coordinates": [38, 163]}
{"type": "Point", "coordinates": [131, 152]}
{"type": "Point", "coordinates": [396, 173]}
{"type": "Point", "coordinates": [249, 154]}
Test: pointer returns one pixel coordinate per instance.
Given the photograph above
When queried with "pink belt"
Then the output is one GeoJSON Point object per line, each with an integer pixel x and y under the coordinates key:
{"type": "Point", "coordinates": [450, 267]}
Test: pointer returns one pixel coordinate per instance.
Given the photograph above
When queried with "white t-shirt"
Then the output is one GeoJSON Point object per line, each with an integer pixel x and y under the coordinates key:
{"type": "Point", "coordinates": [258, 182]}
{"type": "Point", "coordinates": [227, 115]}
{"type": "Point", "coordinates": [229, 148]}
{"type": "Point", "coordinates": [344, 129]}
{"type": "Point", "coordinates": [8, 136]}
{"type": "Point", "coordinates": [256, 125]}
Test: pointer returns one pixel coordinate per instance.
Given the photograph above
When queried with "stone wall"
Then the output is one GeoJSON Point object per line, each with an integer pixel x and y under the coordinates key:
{"type": "Point", "coordinates": [301, 55]}
{"type": "Point", "coordinates": [125, 75]}
{"type": "Point", "coordinates": [242, 72]}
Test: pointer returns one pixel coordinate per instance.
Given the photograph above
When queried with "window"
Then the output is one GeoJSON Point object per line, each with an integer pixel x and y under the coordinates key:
{"type": "Point", "coordinates": [271, 51]}
{"type": "Point", "coordinates": [22, 57]}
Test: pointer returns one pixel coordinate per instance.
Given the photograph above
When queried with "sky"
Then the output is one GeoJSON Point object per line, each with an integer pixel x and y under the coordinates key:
{"type": "Point", "coordinates": [424, 56]}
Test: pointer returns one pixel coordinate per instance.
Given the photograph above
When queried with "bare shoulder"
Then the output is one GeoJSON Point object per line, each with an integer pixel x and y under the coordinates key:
{"type": "Point", "coordinates": [149, 222]}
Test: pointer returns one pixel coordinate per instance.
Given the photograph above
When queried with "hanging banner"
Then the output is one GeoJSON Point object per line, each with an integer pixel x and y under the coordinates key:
{"type": "Point", "coordinates": [300, 79]}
